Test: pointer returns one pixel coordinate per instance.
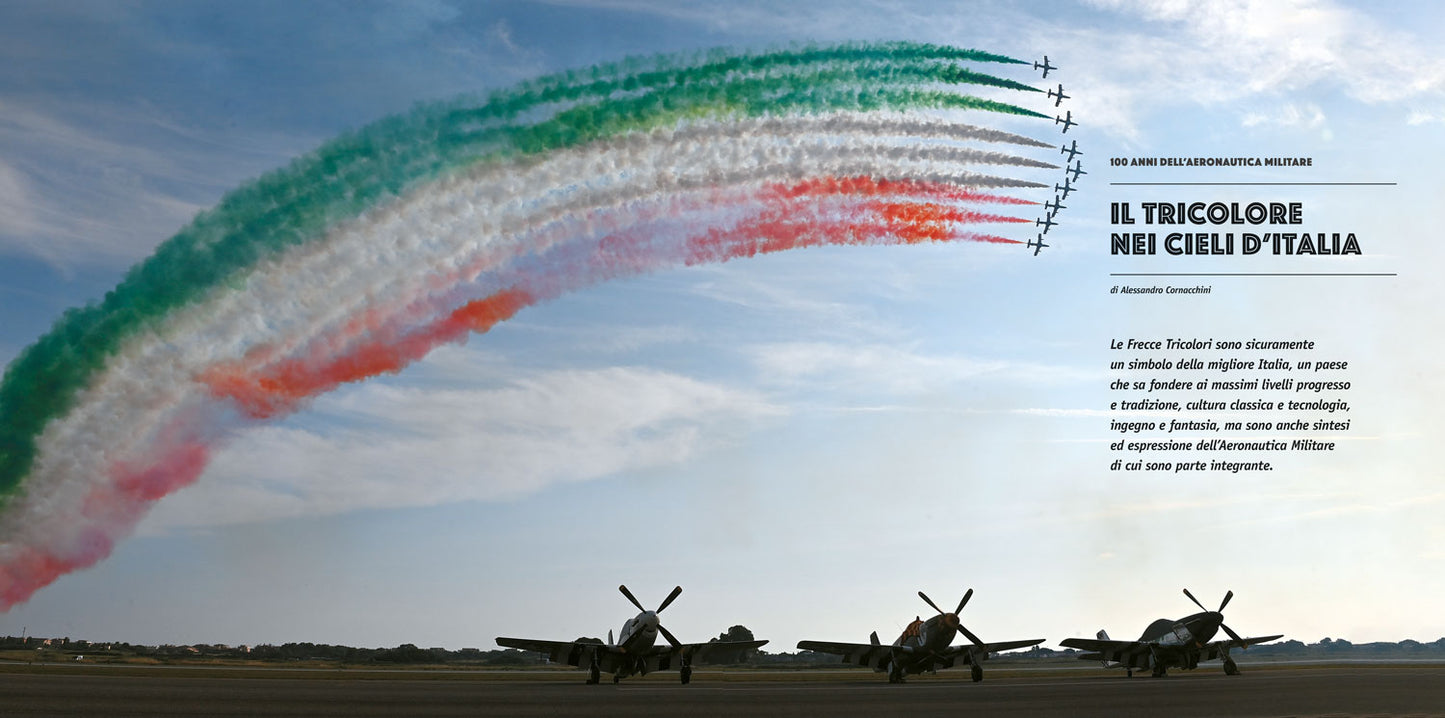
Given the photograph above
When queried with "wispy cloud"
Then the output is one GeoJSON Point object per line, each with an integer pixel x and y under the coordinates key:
{"type": "Point", "coordinates": [1218, 52]}
{"type": "Point", "coordinates": [896, 369]}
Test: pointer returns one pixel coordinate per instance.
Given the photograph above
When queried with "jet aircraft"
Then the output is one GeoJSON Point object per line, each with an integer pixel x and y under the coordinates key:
{"type": "Point", "coordinates": [1071, 150]}
{"type": "Point", "coordinates": [634, 651]}
{"type": "Point", "coordinates": [1037, 244]}
{"type": "Point", "coordinates": [1054, 206]}
{"type": "Point", "coordinates": [1045, 66]}
{"type": "Point", "coordinates": [1047, 222]}
{"type": "Point", "coordinates": [1066, 189]}
{"type": "Point", "coordinates": [1058, 96]}
{"type": "Point", "coordinates": [1077, 169]}
{"type": "Point", "coordinates": [1067, 119]}
{"type": "Point", "coordinates": [1165, 643]}
{"type": "Point", "coordinates": [924, 646]}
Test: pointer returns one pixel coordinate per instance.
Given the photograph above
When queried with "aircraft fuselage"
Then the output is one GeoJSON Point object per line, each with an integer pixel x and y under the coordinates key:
{"type": "Point", "coordinates": [636, 639]}
{"type": "Point", "coordinates": [929, 640]}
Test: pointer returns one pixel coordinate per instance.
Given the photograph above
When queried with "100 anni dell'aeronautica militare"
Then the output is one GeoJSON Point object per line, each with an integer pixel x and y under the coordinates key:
{"type": "Point", "coordinates": [634, 651]}
{"type": "Point", "coordinates": [924, 646]}
{"type": "Point", "coordinates": [1169, 644]}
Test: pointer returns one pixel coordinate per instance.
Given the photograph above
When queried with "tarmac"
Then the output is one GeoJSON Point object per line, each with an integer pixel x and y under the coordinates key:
{"type": "Point", "coordinates": [1395, 690]}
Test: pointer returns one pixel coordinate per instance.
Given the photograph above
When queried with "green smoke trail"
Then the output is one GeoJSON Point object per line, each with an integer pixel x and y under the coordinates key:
{"type": "Point", "coordinates": [291, 206]}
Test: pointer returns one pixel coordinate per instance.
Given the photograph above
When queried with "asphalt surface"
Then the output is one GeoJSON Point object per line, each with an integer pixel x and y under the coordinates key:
{"type": "Point", "coordinates": [1333, 691]}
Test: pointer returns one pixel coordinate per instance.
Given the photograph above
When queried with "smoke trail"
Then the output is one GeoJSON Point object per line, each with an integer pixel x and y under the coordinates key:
{"type": "Point", "coordinates": [420, 229]}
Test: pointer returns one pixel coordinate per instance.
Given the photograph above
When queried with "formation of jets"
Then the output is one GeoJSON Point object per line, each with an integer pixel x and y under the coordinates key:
{"type": "Point", "coordinates": [1071, 151]}
{"type": "Point", "coordinates": [925, 646]}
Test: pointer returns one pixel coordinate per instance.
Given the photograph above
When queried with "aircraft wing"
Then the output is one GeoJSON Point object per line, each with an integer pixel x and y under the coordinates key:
{"type": "Point", "coordinates": [873, 655]}
{"type": "Point", "coordinates": [570, 653]}
{"type": "Point", "coordinates": [1219, 648]}
{"type": "Point", "coordinates": [1132, 654]}
{"type": "Point", "coordinates": [981, 650]}
{"type": "Point", "coordinates": [720, 651]}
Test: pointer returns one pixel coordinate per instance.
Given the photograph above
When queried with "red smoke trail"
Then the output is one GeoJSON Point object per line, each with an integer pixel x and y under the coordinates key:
{"type": "Point", "coordinates": [281, 386]}
{"type": "Point", "coordinates": [794, 216]}
{"type": "Point", "coordinates": [384, 324]}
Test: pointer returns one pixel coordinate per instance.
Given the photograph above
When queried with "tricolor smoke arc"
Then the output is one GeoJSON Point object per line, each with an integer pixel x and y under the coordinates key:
{"type": "Point", "coordinates": [361, 257]}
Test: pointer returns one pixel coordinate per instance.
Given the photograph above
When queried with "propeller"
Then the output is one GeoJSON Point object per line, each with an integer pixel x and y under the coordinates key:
{"type": "Point", "coordinates": [962, 602]}
{"type": "Point", "coordinates": [1227, 596]}
{"type": "Point", "coordinates": [676, 591]}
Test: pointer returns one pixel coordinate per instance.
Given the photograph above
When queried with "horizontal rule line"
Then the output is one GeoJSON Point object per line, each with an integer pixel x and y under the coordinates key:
{"type": "Point", "coordinates": [1272, 184]}
{"type": "Point", "coordinates": [1254, 274]}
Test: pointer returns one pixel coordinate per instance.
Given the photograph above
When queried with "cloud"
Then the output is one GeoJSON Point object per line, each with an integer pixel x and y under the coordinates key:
{"type": "Point", "coordinates": [894, 369]}
{"type": "Point", "coordinates": [75, 194]}
{"type": "Point", "coordinates": [384, 446]}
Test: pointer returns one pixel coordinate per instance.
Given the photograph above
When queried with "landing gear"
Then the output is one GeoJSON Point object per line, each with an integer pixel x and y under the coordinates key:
{"type": "Point", "coordinates": [616, 679]}
{"type": "Point", "coordinates": [895, 675]}
{"type": "Point", "coordinates": [686, 674]}
{"type": "Point", "coordinates": [1230, 667]}
{"type": "Point", "coordinates": [594, 675]}
{"type": "Point", "coordinates": [1160, 671]}
{"type": "Point", "coordinates": [977, 673]}
{"type": "Point", "coordinates": [1128, 672]}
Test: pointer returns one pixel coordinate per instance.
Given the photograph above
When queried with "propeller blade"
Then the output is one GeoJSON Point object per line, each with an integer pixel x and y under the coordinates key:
{"type": "Point", "coordinates": [1231, 632]}
{"type": "Point", "coordinates": [631, 597]}
{"type": "Point", "coordinates": [670, 596]}
{"type": "Point", "coordinates": [970, 635]}
{"type": "Point", "coordinates": [668, 635]}
{"type": "Point", "coordinates": [962, 602]}
{"type": "Point", "coordinates": [1195, 600]}
{"type": "Point", "coordinates": [1227, 595]}
{"type": "Point", "coordinates": [929, 601]}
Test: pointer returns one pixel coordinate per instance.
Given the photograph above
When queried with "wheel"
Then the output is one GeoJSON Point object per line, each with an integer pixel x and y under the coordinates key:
{"type": "Point", "coordinates": [896, 674]}
{"type": "Point", "coordinates": [686, 674]}
{"type": "Point", "coordinates": [616, 680]}
{"type": "Point", "coordinates": [1230, 667]}
{"type": "Point", "coordinates": [977, 673]}
{"type": "Point", "coordinates": [1159, 672]}
{"type": "Point", "coordinates": [1128, 672]}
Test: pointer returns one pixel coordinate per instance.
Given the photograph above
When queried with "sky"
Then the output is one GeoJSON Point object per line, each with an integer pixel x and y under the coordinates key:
{"type": "Point", "coordinates": [803, 440]}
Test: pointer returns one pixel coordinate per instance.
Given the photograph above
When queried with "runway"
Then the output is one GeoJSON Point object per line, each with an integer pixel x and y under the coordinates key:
{"type": "Point", "coordinates": [1317, 691]}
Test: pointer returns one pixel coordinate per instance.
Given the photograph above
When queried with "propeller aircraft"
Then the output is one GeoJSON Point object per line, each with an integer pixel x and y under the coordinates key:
{"type": "Point", "coordinates": [1169, 644]}
{"type": "Point", "coordinates": [634, 651]}
{"type": "Point", "coordinates": [924, 646]}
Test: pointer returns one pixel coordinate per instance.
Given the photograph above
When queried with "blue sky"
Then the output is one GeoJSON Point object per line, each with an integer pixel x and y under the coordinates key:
{"type": "Point", "coordinates": [801, 441]}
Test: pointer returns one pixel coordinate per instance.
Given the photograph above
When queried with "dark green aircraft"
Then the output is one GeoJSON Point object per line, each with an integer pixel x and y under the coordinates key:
{"type": "Point", "coordinates": [1170, 644]}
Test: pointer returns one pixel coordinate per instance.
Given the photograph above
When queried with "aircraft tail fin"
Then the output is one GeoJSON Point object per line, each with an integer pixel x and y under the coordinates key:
{"type": "Point", "coordinates": [874, 639]}
{"type": "Point", "coordinates": [1104, 636]}
{"type": "Point", "coordinates": [609, 637]}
